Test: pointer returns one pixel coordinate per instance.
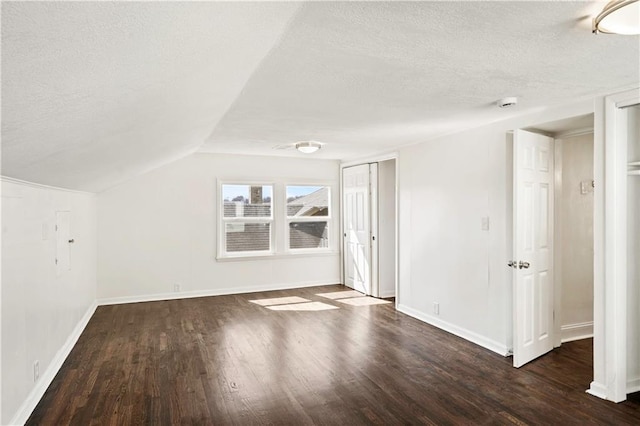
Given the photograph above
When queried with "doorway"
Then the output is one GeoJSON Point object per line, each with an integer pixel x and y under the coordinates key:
{"type": "Point", "coordinates": [570, 279]}
{"type": "Point", "coordinates": [369, 212]}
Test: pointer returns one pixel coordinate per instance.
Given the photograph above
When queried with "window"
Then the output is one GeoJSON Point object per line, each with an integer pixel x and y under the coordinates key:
{"type": "Point", "coordinates": [308, 217]}
{"type": "Point", "coordinates": [247, 219]}
{"type": "Point", "coordinates": [274, 219]}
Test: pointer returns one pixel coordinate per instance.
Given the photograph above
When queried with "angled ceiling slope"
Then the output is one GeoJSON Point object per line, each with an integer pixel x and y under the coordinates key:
{"type": "Point", "coordinates": [369, 77]}
{"type": "Point", "coordinates": [94, 93]}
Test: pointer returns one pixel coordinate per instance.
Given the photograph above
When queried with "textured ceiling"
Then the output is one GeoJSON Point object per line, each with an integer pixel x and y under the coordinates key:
{"type": "Point", "coordinates": [94, 93]}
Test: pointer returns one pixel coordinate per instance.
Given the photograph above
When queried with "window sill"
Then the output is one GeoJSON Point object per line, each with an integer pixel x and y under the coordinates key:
{"type": "Point", "coordinates": [268, 256]}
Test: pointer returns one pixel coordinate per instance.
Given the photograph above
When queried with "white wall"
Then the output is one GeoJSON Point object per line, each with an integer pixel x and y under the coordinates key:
{"type": "Point", "coordinates": [42, 313]}
{"type": "Point", "coordinates": [160, 229]}
{"type": "Point", "coordinates": [575, 211]}
{"type": "Point", "coordinates": [387, 228]}
{"type": "Point", "coordinates": [446, 187]}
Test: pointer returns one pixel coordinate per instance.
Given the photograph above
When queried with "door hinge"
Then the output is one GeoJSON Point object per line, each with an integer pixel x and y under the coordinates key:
{"type": "Point", "coordinates": [56, 261]}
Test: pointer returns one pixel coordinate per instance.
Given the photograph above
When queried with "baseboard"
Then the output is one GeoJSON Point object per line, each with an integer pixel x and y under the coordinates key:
{"type": "Point", "coordinates": [207, 293]}
{"type": "Point", "coordinates": [597, 389]}
{"type": "Point", "coordinates": [600, 390]}
{"type": "Point", "coordinates": [483, 341]}
{"type": "Point", "coordinates": [633, 385]}
{"type": "Point", "coordinates": [49, 374]}
{"type": "Point", "coordinates": [578, 331]}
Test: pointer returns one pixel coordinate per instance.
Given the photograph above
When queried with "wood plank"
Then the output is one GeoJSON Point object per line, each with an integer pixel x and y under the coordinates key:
{"type": "Point", "coordinates": [224, 360]}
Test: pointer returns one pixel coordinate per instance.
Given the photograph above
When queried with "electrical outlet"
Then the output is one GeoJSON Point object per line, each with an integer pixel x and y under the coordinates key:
{"type": "Point", "coordinates": [436, 308]}
{"type": "Point", "coordinates": [36, 370]}
{"type": "Point", "coordinates": [484, 225]}
{"type": "Point", "coordinates": [177, 287]}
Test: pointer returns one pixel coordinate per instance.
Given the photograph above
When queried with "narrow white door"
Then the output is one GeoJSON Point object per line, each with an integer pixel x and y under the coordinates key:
{"type": "Point", "coordinates": [63, 255]}
{"type": "Point", "coordinates": [533, 246]}
{"type": "Point", "coordinates": [357, 228]}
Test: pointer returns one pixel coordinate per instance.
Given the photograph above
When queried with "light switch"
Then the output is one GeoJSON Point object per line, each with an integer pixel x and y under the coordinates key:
{"type": "Point", "coordinates": [485, 223]}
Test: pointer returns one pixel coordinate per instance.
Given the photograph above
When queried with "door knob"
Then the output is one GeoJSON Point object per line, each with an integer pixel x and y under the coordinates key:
{"type": "Point", "coordinates": [71, 241]}
{"type": "Point", "coordinates": [523, 265]}
{"type": "Point", "coordinates": [512, 264]}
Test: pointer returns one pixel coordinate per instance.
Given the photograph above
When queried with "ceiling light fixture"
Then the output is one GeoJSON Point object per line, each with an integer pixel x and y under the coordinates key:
{"type": "Point", "coordinates": [618, 17]}
{"type": "Point", "coordinates": [308, 147]}
{"type": "Point", "coordinates": [507, 102]}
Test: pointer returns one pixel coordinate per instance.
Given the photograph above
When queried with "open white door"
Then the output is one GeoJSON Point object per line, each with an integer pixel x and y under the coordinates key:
{"type": "Point", "coordinates": [533, 246]}
{"type": "Point", "coordinates": [357, 228]}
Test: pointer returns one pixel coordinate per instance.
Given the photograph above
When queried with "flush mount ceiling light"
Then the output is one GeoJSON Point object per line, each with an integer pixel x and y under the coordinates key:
{"type": "Point", "coordinates": [618, 17]}
{"type": "Point", "coordinates": [507, 102]}
{"type": "Point", "coordinates": [308, 147]}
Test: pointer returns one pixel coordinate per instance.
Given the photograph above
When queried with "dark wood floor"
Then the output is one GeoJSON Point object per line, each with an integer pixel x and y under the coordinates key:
{"type": "Point", "coordinates": [224, 360]}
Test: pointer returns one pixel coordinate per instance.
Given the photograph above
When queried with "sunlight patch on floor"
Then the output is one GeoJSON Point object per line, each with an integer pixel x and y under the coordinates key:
{"type": "Point", "coordinates": [363, 301]}
{"type": "Point", "coordinates": [311, 306]}
{"type": "Point", "coordinates": [279, 301]}
{"type": "Point", "coordinates": [340, 294]}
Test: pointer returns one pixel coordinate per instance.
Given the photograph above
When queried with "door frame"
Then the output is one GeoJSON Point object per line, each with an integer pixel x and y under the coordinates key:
{"type": "Point", "coordinates": [366, 160]}
{"type": "Point", "coordinates": [610, 286]}
{"type": "Point", "coordinates": [609, 347]}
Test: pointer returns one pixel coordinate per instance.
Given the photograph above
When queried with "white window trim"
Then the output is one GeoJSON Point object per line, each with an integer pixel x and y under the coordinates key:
{"type": "Point", "coordinates": [222, 221]}
{"type": "Point", "coordinates": [279, 221]}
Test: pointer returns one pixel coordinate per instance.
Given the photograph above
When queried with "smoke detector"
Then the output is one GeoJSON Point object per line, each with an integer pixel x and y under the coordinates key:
{"type": "Point", "coordinates": [507, 102]}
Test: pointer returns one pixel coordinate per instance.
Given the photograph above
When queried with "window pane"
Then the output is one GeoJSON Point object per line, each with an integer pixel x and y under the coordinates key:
{"type": "Point", "coordinates": [307, 201]}
{"type": "Point", "coordinates": [306, 235]}
{"type": "Point", "coordinates": [248, 237]}
{"type": "Point", "coordinates": [247, 200]}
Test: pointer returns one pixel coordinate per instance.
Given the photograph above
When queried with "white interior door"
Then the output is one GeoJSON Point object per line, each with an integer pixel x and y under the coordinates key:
{"type": "Point", "coordinates": [357, 227]}
{"type": "Point", "coordinates": [63, 255]}
{"type": "Point", "coordinates": [533, 246]}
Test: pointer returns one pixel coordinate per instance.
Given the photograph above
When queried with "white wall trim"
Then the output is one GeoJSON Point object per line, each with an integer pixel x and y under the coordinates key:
{"type": "Point", "coordinates": [574, 133]}
{"type": "Point", "coordinates": [578, 331]}
{"type": "Point", "coordinates": [283, 255]}
{"type": "Point", "coordinates": [207, 293]}
{"type": "Point", "coordinates": [615, 244]}
{"type": "Point", "coordinates": [633, 385]}
{"type": "Point", "coordinates": [558, 147]}
{"type": "Point", "coordinates": [47, 377]}
{"type": "Point", "coordinates": [369, 159]}
{"type": "Point", "coordinates": [598, 390]}
{"type": "Point", "coordinates": [387, 295]}
{"type": "Point", "coordinates": [471, 336]}
{"type": "Point", "coordinates": [41, 186]}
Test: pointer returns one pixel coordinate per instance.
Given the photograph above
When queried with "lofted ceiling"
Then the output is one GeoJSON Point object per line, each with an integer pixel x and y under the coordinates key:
{"type": "Point", "coordinates": [94, 93]}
